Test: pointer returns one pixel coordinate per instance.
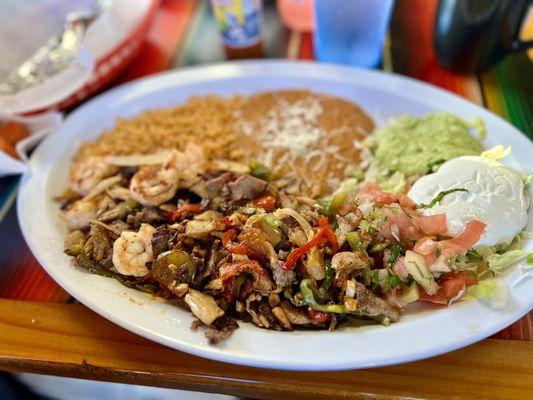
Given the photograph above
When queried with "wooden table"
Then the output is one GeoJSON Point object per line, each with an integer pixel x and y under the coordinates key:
{"type": "Point", "coordinates": [43, 330]}
{"type": "Point", "coordinates": [71, 340]}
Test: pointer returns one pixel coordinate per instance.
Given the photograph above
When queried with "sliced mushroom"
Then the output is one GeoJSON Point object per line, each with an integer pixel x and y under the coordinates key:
{"type": "Point", "coordinates": [346, 262]}
{"type": "Point", "coordinates": [203, 306]}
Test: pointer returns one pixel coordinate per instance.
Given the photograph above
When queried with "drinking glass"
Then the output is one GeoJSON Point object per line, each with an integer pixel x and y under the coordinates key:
{"type": "Point", "coordinates": [351, 31]}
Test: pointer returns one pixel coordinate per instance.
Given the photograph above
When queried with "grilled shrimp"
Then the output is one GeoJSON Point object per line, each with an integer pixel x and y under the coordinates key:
{"type": "Point", "coordinates": [132, 250]}
{"type": "Point", "coordinates": [153, 185]}
{"type": "Point", "coordinates": [79, 213]}
{"type": "Point", "coordinates": [85, 174]}
{"type": "Point", "coordinates": [190, 162]}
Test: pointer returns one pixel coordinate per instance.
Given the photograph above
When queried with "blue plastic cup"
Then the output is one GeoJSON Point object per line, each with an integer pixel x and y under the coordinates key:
{"type": "Point", "coordinates": [351, 31]}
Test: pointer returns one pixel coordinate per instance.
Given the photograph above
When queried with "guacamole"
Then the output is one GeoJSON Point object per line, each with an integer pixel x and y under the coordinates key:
{"type": "Point", "coordinates": [412, 146]}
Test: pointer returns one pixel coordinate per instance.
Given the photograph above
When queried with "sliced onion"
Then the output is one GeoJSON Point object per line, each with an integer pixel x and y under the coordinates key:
{"type": "Point", "coordinates": [228, 165]}
{"type": "Point", "coordinates": [119, 192]}
{"type": "Point", "coordinates": [138, 159]}
{"type": "Point", "coordinates": [289, 212]}
{"type": "Point", "coordinates": [105, 226]}
{"type": "Point", "coordinates": [102, 186]}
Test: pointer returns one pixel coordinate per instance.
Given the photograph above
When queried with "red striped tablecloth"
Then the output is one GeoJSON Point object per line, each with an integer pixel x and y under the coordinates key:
{"type": "Point", "coordinates": [184, 33]}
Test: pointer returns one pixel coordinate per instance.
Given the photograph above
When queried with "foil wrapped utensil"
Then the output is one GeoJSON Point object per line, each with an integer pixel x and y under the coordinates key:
{"type": "Point", "coordinates": [56, 55]}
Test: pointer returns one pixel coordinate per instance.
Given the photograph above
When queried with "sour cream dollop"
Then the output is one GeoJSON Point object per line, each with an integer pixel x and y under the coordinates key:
{"type": "Point", "coordinates": [495, 196]}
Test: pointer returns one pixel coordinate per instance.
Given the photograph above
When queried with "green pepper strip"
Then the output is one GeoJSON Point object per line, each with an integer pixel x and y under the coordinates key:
{"type": "Point", "coordinates": [395, 251]}
{"type": "Point", "coordinates": [297, 302]}
{"type": "Point", "coordinates": [260, 171]}
{"type": "Point", "coordinates": [308, 295]}
{"type": "Point", "coordinates": [326, 284]}
{"type": "Point", "coordinates": [354, 240]}
{"type": "Point", "coordinates": [93, 267]}
{"type": "Point", "coordinates": [383, 320]}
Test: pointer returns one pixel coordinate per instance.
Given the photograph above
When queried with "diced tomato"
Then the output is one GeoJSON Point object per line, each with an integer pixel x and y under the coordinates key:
{"type": "Point", "coordinates": [425, 246]}
{"type": "Point", "coordinates": [437, 298]}
{"type": "Point", "coordinates": [266, 202]}
{"type": "Point", "coordinates": [464, 241]}
{"type": "Point", "coordinates": [467, 277]}
{"type": "Point", "coordinates": [399, 268]}
{"type": "Point", "coordinates": [432, 224]}
{"type": "Point", "coordinates": [370, 191]}
{"type": "Point", "coordinates": [451, 287]}
{"type": "Point", "coordinates": [453, 282]}
{"type": "Point", "coordinates": [396, 215]}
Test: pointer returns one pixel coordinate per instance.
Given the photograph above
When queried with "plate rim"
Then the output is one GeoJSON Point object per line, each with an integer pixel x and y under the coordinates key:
{"type": "Point", "coordinates": [245, 359]}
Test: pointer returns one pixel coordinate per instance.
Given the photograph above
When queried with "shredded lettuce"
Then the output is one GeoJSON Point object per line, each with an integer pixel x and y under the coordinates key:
{"type": "Point", "coordinates": [479, 124]}
{"type": "Point", "coordinates": [494, 290]}
{"type": "Point", "coordinates": [525, 235]}
{"type": "Point", "coordinates": [499, 262]}
{"type": "Point", "coordinates": [497, 152]}
{"type": "Point", "coordinates": [526, 180]}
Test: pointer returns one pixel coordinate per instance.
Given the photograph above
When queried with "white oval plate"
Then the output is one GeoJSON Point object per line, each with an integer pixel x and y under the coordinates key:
{"type": "Point", "coordinates": [420, 333]}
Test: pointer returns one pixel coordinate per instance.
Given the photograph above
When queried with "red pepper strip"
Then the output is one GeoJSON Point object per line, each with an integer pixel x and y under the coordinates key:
{"type": "Point", "coordinates": [317, 316]}
{"type": "Point", "coordinates": [325, 231]}
{"type": "Point", "coordinates": [300, 251]}
{"type": "Point", "coordinates": [232, 247]}
{"type": "Point", "coordinates": [266, 202]}
{"type": "Point", "coordinates": [186, 208]}
{"type": "Point", "coordinates": [246, 288]}
{"type": "Point", "coordinates": [261, 280]}
{"type": "Point", "coordinates": [328, 233]}
{"type": "Point", "coordinates": [228, 289]}
{"type": "Point", "coordinates": [227, 221]}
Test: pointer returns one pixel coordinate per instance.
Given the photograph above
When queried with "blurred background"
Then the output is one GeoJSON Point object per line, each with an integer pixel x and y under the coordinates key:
{"type": "Point", "coordinates": [56, 54]}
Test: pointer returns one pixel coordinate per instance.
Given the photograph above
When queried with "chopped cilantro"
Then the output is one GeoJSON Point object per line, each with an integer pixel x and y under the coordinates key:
{"type": "Point", "coordinates": [393, 280]}
{"type": "Point", "coordinates": [395, 251]}
{"type": "Point", "coordinates": [375, 277]}
{"type": "Point", "coordinates": [367, 226]}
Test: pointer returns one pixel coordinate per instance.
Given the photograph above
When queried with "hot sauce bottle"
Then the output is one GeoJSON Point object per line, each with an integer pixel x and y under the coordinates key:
{"type": "Point", "coordinates": [241, 25]}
